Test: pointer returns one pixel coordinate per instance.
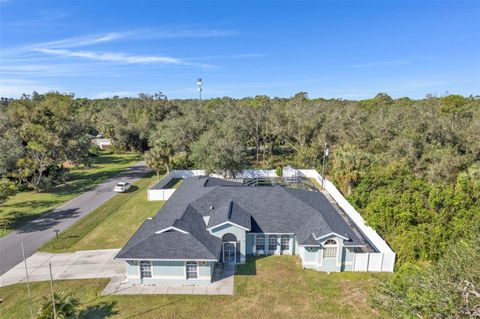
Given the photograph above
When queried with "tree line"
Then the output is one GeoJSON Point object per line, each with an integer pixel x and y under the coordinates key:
{"type": "Point", "coordinates": [411, 167]}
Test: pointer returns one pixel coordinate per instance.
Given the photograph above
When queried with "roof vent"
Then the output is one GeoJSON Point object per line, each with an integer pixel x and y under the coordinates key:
{"type": "Point", "coordinates": [212, 208]}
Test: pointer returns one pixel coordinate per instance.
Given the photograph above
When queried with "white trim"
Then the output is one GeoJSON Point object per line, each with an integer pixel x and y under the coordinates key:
{"type": "Point", "coordinates": [171, 228]}
{"type": "Point", "coordinates": [271, 233]}
{"type": "Point", "coordinates": [336, 246]}
{"type": "Point", "coordinates": [329, 234]}
{"type": "Point", "coordinates": [177, 278]}
{"type": "Point", "coordinates": [185, 270]}
{"type": "Point", "coordinates": [223, 251]}
{"type": "Point", "coordinates": [154, 259]}
{"type": "Point", "coordinates": [227, 222]}
{"type": "Point", "coordinates": [140, 269]}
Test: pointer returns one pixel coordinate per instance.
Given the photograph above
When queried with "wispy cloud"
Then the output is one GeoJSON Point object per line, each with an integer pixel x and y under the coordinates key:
{"type": "Point", "coordinates": [113, 57]}
{"type": "Point", "coordinates": [45, 17]}
{"type": "Point", "coordinates": [16, 87]}
{"type": "Point", "coordinates": [82, 41]}
{"type": "Point", "coordinates": [380, 64]}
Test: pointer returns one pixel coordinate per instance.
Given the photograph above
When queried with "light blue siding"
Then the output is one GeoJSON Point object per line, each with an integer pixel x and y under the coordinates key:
{"type": "Point", "coordinates": [169, 272]}
{"type": "Point", "coordinates": [310, 255]}
{"type": "Point", "coordinates": [250, 242]}
{"type": "Point", "coordinates": [131, 268]}
{"type": "Point", "coordinates": [347, 262]}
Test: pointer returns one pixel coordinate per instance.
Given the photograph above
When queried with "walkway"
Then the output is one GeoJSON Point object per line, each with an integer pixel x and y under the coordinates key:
{"type": "Point", "coordinates": [222, 285]}
{"type": "Point", "coordinates": [78, 265]}
{"type": "Point", "coordinates": [41, 230]}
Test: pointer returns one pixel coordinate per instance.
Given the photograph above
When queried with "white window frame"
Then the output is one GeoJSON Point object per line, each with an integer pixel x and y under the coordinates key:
{"type": "Point", "coordinates": [257, 239]}
{"type": "Point", "coordinates": [271, 242]}
{"type": "Point", "coordinates": [150, 268]}
{"type": "Point", "coordinates": [330, 249]}
{"type": "Point", "coordinates": [191, 263]}
{"type": "Point", "coordinates": [285, 242]}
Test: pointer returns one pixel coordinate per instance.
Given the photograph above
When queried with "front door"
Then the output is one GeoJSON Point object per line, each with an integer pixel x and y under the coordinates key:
{"type": "Point", "coordinates": [229, 252]}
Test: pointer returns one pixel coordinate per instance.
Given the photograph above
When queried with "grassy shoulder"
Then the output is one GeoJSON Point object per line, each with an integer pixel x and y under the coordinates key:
{"type": "Point", "coordinates": [275, 286]}
{"type": "Point", "coordinates": [25, 206]}
{"type": "Point", "coordinates": [111, 224]}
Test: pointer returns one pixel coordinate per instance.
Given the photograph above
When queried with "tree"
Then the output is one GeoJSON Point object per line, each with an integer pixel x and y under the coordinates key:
{"type": "Point", "coordinates": [348, 165]}
{"type": "Point", "coordinates": [158, 157]}
{"type": "Point", "coordinates": [7, 189]}
{"type": "Point", "coordinates": [218, 152]}
{"type": "Point", "coordinates": [66, 307]}
{"type": "Point", "coordinates": [449, 288]}
{"type": "Point", "coordinates": [51, 131]}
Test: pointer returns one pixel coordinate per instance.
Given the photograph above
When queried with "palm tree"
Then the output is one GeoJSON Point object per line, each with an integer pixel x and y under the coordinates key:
{"type": "Point", "coordinates": [348, 165]}
{"type": "Point", "coordinates": [158, 158]}
{"type": "Point", "coordinates": [66, 307]}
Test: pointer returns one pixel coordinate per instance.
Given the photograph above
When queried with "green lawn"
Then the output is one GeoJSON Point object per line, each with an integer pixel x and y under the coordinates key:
{"type": "Point", "coordinates": [111, 224]}
{"type": "Point", "coordinates": [271, 287]}
{"type": "Point", "coordinates": [25, 206]}
{"type": "Point", "coordinates": [174, 183]}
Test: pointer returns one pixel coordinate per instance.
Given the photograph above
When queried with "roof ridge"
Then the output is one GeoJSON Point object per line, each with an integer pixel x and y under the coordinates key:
{"type": "Point", "coordinates": [230, 210]}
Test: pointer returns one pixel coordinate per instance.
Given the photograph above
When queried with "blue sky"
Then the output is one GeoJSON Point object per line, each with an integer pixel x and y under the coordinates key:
{"type": "Point", "coordinates": [349, 50]}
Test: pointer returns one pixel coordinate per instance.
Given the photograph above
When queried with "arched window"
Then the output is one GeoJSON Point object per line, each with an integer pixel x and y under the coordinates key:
{"type": "Point", "coordinates": [191, 269]}
{"type": "Point", "coordinates": [272, 242]}
{"type": "Point", "coordinates": [330, 249]}
{"type": "Point", "coordinates": [145, 269]}
{"type": "Point", "coordinates": [260, 242]}
{"type": "Point", "coordinates": [229, 237]}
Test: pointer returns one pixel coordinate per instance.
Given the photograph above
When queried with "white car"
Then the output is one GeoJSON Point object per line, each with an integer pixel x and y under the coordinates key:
{"type": "Point", "coordinates": [121, 187]}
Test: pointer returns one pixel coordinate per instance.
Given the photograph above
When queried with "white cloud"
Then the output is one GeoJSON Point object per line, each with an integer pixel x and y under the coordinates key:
{"type": "Point", "coordinates": [113, 57]}
{"type": "Point", "coordinates": [83, 40]}
{"type": "Point", "coordinates": [16, 87]}
{"type": "Point", "coordinates": [380, 64]}
{"type": "Point", "coordinates": [46, 17]}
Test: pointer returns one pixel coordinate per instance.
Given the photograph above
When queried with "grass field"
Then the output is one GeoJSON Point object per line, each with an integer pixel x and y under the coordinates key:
{"type": "Point", "coordinates": [25, 206]}
{"type": "Point", "coordinates": [271, 287]}
{"type": "Point", "coordinates": [174, 183]}
{"type": "Point", "coordinates": [111, 224]}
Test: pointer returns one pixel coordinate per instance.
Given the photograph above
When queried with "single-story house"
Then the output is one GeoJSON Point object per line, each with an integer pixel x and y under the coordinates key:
{"type": "Point", "coordinates": [208, 221]}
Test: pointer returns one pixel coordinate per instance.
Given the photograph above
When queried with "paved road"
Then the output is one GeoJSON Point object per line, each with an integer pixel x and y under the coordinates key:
{"type": "Point", "coordinates": [41, 230]}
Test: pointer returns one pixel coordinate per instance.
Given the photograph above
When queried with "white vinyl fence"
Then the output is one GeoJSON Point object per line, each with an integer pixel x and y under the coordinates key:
{"type": "Point", "coordinates": [160, 194]}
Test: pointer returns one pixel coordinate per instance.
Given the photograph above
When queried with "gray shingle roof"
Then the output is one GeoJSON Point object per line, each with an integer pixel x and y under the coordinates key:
{"type": "Point", "coordinates": [272, 209]}
{"type": "Point", "coordinates": [231, 212]}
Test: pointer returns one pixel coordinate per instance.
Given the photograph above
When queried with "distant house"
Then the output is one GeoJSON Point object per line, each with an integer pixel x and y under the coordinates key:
{"type": "Point", "coordinates": [101, 142]}
{"type": "Point", "coordinates": [208, 221]}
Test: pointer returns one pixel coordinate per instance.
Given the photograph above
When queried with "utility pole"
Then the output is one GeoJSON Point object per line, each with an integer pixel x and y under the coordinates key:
{"type": "Point", "coordinates": [28, 282]}
{"type": "Point", "coordinates": [199, 84]}
{"type": "Point", "coordinates": [53, 295]}
{"type": "Point", "coordinates": [325, 155]}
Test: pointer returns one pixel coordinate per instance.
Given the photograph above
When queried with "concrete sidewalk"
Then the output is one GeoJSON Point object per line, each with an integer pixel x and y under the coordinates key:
{"type": "Point", "coordinates": [78, 265]}
{"type": "Point", "coordinates": [221, 286]}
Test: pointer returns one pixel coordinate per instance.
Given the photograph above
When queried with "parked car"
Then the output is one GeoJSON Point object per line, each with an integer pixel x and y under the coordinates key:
{"type": "Point", "coordinates": [121, 187]}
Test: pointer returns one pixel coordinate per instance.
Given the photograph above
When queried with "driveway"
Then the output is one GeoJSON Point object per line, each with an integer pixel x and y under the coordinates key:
{"type": "Point", "coordinates": [77, 265]}
{"type": "Point", "coordinates": [39, 231]}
